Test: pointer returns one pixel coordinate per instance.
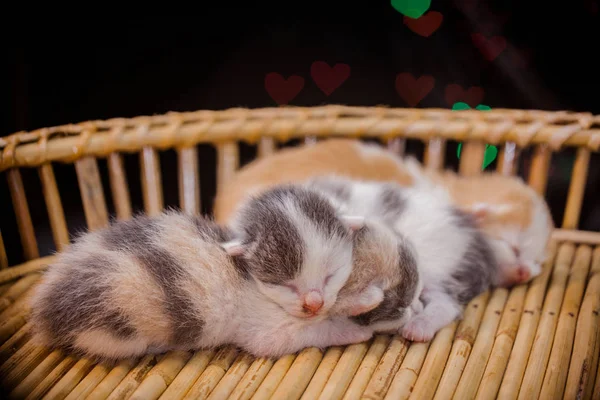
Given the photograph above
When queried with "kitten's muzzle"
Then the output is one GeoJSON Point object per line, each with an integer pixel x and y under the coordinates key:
{"type": "Point", "coordinates": [313, 302]}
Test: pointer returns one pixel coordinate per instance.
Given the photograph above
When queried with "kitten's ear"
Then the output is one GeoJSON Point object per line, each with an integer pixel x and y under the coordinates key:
{"type": "Point", "coordinates": [354, 223]}
{"type": "Point", "coordinates": [481, 211]}
{"type": "Point", "coordinates": [234, 248]}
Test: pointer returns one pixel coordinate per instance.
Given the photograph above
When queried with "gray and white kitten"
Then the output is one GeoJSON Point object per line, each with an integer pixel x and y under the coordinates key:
{"type": "Point", "coordinates": [152, 284]}
{"type": "Point", "coordinates": [455, 261]}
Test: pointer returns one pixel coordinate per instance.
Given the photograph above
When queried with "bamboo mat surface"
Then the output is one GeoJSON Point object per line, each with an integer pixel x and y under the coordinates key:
{"type": "Point", "coordinates": [540, 340]}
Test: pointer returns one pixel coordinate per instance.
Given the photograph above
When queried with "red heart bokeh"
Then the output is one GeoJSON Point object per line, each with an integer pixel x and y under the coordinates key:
{"type": "Point", "coordinates": [329, 78]}
{"type": "Point", "coordinates": [489, 48]}
{"type": "Point", "coordinates": [426, 25]}
{"type": "Point", "coordinates": [455, 93]}
{"type": "Point", "coordinates": [283, 90]}
{"type": "Point", "coordinates": [414, 90]}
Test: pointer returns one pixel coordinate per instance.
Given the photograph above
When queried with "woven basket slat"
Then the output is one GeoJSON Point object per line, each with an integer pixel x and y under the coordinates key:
{"type": "Point", "coordinates": [56, 213]}
{"type": "Point", "coordinates": [189, 180]}
{"type": "Point", "coordinates": [151, 181]}
{"type": "Point", "coordinates": [586, 345]}
{"type": "Point", "coordinates": [3, 256]}
{"type": "Point", "coordinates": [540, 351]}
{"type": "Point", "coordinates": [556, 376]}
{"type": "Point", "coordinates": [508, 158]}
{"type": "Point", "coordinates": [576, 189]}
{"type": "Point", "coordinates": [435, 151]}
{"type": "Point", "coordinates": [118, 186]}
{"type": "Point", "coordinates": [19, 200]}
{"type": "Point", "coordinates": [461, 347]}
{"type": "Point", "coordinates": [92, 195]}
{"type": "Point", "coordinates": [540, 163]}
{"type": "Point", "coordinates": [227, 161]}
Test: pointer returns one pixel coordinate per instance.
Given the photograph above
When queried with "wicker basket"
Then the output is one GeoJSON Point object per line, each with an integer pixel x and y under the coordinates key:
{"type": "Point", "coordinates": [535, 341]}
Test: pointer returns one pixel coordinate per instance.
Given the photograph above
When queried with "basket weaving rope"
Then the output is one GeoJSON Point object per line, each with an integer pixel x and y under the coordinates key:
{"type": "Point", "coordinates": [540, 340]}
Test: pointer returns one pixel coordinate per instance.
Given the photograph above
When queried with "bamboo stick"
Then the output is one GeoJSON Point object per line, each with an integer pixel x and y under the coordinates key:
{"type": "Point", "coordinates": [403, 382]}
{"type": "Point", "coordinates": [35, 377]}
{"type": "Point", "coordinates": [461, 348]}
{"type": "Point", "coordinates": [188, 375]}
{"type": "Point", "coordinates": [386, 369]}
{"type": "Point", "coordinates": [299, 375]}
{"type": "Point", "coordinates": [503, 343]}
{"type": "Point", "coordinates": [232, 377]}
{"type": "Point", "coordinates": [132, 380]}
{"type": "Point", "coordinates": [3, 257]}
{"type": "Point", "coordinates": [586, 344]}
{"type": "Point", "coordinates": [367, 367]}
{"type": "Point", "coordinates": [469, 381]}
{"type": "Point", "coordinates": [517, 361]}
{"type": "Point", "coordinates": [117, 374]}
{"type": "Point", "coordinates": [323, 372]}
{"type": "Point", "coordinates": [189, 180]}
{"type": "Point", "coordinates": [20, 364]}
{"type": "Point", "coordinates": [89, 382]}
{"type": "Point", "coordinates": [16, 290]}
{"type": "Point", "coordinates": [556, 373]}
{"type": "Point", "coordinates": [118, 186]}
{"type": "Point", "coordinates": [161, 375]}
{"type": "Point", "coordinates": [252, 379]}
{"type": "Point", "coordinates": [274, 377]}
{"type": "Point", "coordinates": [67, 383]}
{"type": "Point", "coordinates": [213, 373]}
{"type": "Point", "coordinates": [92, 195]}
{"type": "Point", "coordinates": [344, 371]}
{"type": "Point", "coordinates": [12, 345]}
{"type": "Point", "coordinates": [151, 181]}
{"type": "Point", "coordinates": [540, 352]}
{"type": "Point", "coordinates": [433, 367]}
{"type": "Point", "coordinates": [24, 224]}
{"type": "Point", "coordinates": [16, 272]}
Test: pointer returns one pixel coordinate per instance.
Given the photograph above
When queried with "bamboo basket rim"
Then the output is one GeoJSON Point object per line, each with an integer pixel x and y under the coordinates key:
{"type": "Point", "coordinates": [67, 143]}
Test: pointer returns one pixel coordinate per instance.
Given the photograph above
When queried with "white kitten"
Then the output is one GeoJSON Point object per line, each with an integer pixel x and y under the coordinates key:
{"type": "Point", "coordinates": [454, 259]}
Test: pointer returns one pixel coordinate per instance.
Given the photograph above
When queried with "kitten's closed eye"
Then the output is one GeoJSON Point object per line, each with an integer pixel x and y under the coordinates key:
{"type": "Point", "coordinates": [293, 288]}
{"type": "Point", "coordinates": [328, 278]}
{"type": "Point", "coordinates": [516, 250]}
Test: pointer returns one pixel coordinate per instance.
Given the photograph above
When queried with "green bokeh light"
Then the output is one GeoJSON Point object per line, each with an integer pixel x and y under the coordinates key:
{"type": "Point", "coordinates": [491, 152]}
{"type": "Point", "coordinates": [411, 8]}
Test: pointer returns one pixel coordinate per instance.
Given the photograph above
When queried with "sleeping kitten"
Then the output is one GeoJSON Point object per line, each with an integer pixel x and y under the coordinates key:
{"type": "Point", "coordinates": [455, 261]}
{"type": "Point", "coordinates": [384, 274]}
{"type": "Point", "coordinates": [510, 213]}
{"type": "Point", "coordinates": [152, 284]}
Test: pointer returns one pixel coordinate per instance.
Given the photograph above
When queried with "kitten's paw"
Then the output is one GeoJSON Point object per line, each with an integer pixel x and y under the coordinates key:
{"type": "Point", "coordinates": [419, 329]}
{"type": "Point", "coordinates": [352, 333]}
{"type": "Point", "coordinates": [417, 306]}
{"type": "Point", "coordinates": [368, 300]}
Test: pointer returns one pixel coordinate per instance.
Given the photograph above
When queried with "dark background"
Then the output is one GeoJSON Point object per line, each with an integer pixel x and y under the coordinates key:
{"type": "Point", "coordinates": [217, 57]}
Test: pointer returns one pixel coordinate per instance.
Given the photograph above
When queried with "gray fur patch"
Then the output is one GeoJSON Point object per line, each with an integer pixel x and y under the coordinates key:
{"type": "Point", "coordinates": [136, 237]}
{"type": "Point", "coordinates": [396, 299]}
{"type": "Point", "coordinates": [276, 247]}
{"type": "Point", "coordinates": [321, 212]}
{"type": "Point", "coordinates": [478, 266]}
{"type": "Point", "coordinates": [392, 201]}
{"type": "Point", "coordinates": [336, 188]}
{"type": "Point", "coordinates": [81, 301]}
{"type": "Point", "coordinates": [209, 229]}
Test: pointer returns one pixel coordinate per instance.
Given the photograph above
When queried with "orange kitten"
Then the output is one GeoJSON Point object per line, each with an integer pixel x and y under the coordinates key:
{"type": "Point", "coordinates": [511, 213]}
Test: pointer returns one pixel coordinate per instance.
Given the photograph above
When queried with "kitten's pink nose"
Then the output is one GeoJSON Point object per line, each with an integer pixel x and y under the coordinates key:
{"type": "Point", "coordinates": [313, 301]}
{"type": "Point", "coordinates": [523, 274]}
